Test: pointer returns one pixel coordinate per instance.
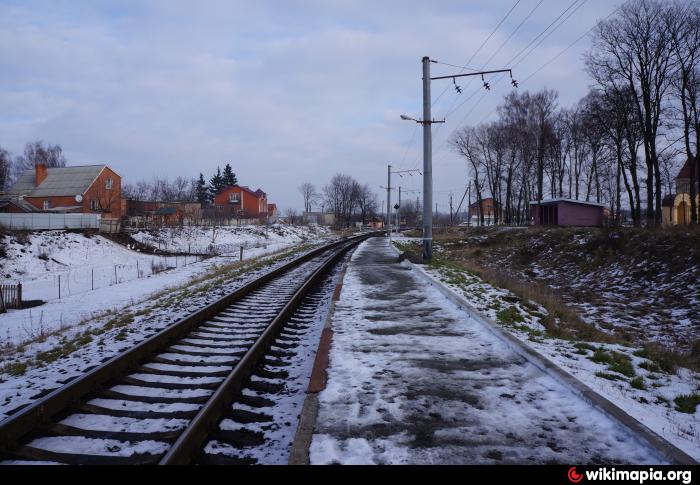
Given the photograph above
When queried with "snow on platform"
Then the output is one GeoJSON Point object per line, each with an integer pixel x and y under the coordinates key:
{"type": "Point", "coordinates": [413, 379]}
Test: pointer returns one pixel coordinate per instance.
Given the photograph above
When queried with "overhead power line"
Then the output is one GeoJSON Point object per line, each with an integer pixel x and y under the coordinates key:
{"type": "Point", "coordinates": [480, 47]}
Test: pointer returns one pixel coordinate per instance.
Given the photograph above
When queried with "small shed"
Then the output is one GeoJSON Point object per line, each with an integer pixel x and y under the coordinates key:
{"type": "Point", "coordinates": [567, 212]}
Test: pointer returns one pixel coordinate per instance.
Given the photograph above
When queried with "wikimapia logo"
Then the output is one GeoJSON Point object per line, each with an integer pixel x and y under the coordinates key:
{"type": "Point", "coordinates": [574, 477]}
{"type": "Point", "coordinates": [641, 476]}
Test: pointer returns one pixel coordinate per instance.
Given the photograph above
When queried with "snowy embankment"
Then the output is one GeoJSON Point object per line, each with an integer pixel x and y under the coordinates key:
{"type": "Point", "coordinates": [33, 369]}
{"type": "Point", "coordinates": [40, 260]}
{"type": "Point", "coordinates": [254, 240]}
{"type": "Point", "coordinates": [78, 262]}
{"type": "Point", "coordinates": [661, 397]}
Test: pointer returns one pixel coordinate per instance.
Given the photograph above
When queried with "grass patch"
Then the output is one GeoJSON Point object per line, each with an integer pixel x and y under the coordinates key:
{"type": "Point", "coordinates": [509, 316]}
{"type": "Point", "coordinates": [650, 366]}
{"type": "Point", "coordinates": [615, 361]}
{"type": "Point", "coordinates": [608, 376]}
{"type": "Point", "coordinates": [638, 383]}
{"type": "Point", "coordinates": [14, 368]}
{"type": "Point", "coordinates": [686, 403]}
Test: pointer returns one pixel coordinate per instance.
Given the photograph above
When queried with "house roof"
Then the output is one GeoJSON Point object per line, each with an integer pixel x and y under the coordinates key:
{"type": "Point", "coordinates": [685, 171]}
{"type": "Point", "coordinates": [572, 201]}
{"type": "Point", "coordinates": [19, 203]}
{"type": "Point", "coordinates": [59, 181]}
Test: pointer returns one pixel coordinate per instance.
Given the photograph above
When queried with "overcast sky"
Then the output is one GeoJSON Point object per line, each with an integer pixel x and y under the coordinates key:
{"type": "Point", "coordinates": [286, 91]}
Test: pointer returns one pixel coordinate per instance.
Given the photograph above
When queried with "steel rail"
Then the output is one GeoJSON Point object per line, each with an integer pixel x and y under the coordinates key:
{"type": "Point", "coordinates": [191, 440]}
{"type": "Point", "coordinates": [40, 413]}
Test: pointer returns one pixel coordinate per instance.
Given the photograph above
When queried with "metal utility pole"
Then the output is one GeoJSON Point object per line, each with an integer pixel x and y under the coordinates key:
{"type": "Point", "coordinates": [427, 122]}
{"type": "Point", "coordinates": [451, 218]}
{"type": "Point", "coordinates": [427, 165]}
{"type": "Point", "coordinates": [388, 200]}
{"type": "Point", "coordinates": [398, 213]}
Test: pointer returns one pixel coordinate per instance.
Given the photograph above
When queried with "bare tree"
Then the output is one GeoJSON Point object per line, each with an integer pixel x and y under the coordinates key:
{"type": "Point", "coordinates": [633, 51]}
{"type": "Point", "coordinates": [309, 194]}
{"type": "Point", "coordinates": [340, 196]}
{"type": "Point", "coordinates": [37, 153]}
{"type": "Point", "coordinates": [682, 21]}
{"type": "Point", "coordinates": [5, 168]}
{"type": "Point", "coordinates": [366, 202]}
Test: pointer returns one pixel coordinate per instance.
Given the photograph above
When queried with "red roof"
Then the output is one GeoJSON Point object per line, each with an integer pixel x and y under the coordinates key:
{"type": "Point", "coordinates": [685, 171]}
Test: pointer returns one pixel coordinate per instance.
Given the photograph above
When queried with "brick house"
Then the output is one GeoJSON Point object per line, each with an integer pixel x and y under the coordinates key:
{"type": "Point", "coordinates": [272, 210]}
{"type": "Point", "coordinates": [242, 202]}
{"type": "Point", "coordinates": [567, 212]}
{"type": "Point", "coordinates": [161, 213]}
{"type": "Point", "coordinates": [488, 206]}
{"type": "Point", "coordinates": [86, 189]}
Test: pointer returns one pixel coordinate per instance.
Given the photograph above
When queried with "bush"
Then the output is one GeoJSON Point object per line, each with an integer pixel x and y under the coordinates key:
{"type": "Point", "coordinates": [686, 403]}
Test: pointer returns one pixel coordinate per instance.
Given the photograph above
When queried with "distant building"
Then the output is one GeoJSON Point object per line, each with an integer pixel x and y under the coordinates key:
{"type": "Point", "coordinates": [676, 207]}
{"type": "Point", "coordinates": [567, 212]}
{"type": "Point", "coordinates": [150, 212]}
{"type": "Point", "coordinates": [241, 201]}
{"type": "Point", "coordinates": [272, 211]}
{"type": "Point", "coordinates": [84, 189]}
{"type": "Point", "coordinates": [320, 218]}
{"type": "Point", "coordinates": [488, 206]}
{"type": "Point", "coordinates": [376, 223]}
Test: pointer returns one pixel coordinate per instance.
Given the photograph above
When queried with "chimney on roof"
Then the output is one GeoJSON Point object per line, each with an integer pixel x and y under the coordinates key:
{"type": "Point", "coordinates": [40, 173]}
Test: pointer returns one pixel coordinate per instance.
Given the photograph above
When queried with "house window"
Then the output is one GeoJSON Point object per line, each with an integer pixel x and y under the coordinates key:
{"type": "Point", "coordinates": [47, 204]}
{"type": "Point", "coordinates": [94, 205]}
{"type": "Point", "coordinates": [108, 184]}
{"type": "Point", "coordinates": [234, 197]}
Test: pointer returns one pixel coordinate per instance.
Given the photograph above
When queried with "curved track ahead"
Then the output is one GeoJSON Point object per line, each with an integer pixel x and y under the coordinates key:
{"type": "Point", "coordinates": [159, 401]}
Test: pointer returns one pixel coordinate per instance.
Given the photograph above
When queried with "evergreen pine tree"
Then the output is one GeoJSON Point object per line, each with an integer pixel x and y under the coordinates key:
{"type": "Point", "coordinates": [202, 192]}
{"type": "Point", "coordinates": [216, 183]}
{"type": "Point", "coordinates": [229, 178]}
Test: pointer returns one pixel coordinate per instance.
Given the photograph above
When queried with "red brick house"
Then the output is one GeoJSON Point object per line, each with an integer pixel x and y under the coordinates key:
{"type": "Point", "coordinates": [242, 202]}
{"type": "Point", "coordinates": [488, 206]}
{"type": "Point", "coordinates": [86, 189]}
{"type": "Point", "coordinates": [271, 210]}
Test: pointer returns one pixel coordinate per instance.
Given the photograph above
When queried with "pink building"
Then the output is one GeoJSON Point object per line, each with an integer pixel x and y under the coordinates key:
{"type": "Point", "coordinates": [567, 212]}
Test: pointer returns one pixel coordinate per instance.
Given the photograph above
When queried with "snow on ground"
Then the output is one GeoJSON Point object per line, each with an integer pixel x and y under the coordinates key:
{"type": "Point", "coordinates": [229, 239]}
{"type": "Point", "coordinates": [75, 256]}
{"type": "Point", "coordinates": [37, 259]}
{"type": "Point", "coordinates": [34, 369]}
{"type": "Point", "coordinates": [413, 379]}
{"type": "Point", "coordinates": [650, 400]}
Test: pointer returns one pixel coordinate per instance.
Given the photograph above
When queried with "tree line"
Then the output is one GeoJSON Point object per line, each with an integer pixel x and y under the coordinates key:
{"type": "Point", "coordinates": [36, 152]}
{"type": "Point", "coordinates": [182, 189]}
{"type": "Point", "coordinates": [344, 197]}
{"type": "Point", "coordinates": [621, 144]}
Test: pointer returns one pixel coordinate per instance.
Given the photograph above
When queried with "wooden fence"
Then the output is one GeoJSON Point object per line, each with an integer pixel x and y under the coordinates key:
{"type": "Point", "coordinates": [10, 297]}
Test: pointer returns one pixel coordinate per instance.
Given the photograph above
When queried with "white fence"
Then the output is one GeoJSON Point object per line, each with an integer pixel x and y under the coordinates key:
{"type": "Point", "coordinates": [87, 278]}
{"type": "Point", "coordinates": [43, 220]}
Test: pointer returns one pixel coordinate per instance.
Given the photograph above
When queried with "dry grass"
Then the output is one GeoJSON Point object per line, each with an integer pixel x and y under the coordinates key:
{"type": "Point", "coordinates": [561, 320]}
{"type": "Point", "coordinates": [504, 259]}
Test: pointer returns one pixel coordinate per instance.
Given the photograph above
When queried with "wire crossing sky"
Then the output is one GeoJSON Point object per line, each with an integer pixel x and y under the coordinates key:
{"type": "Point", "coordinates": [287, 92]}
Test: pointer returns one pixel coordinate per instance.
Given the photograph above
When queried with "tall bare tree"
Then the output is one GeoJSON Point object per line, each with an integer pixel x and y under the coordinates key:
{"type": "Point", "coordinates": [682, 21]}
{"type": "Point", "coordinates": [633, 51]}
{"type": "Point", "coordinates": [309, 194]}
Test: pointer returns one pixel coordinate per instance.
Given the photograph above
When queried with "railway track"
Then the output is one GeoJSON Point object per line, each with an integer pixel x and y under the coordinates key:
{"type": "Point", "coordinates": [168, 398]}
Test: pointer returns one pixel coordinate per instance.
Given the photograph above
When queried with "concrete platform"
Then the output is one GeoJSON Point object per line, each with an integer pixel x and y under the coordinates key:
{"type": "Point", "coordinates": [413, 379]}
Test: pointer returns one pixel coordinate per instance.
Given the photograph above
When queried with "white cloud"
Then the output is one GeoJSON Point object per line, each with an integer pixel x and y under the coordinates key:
{"type": "Point", "coordinates": [287, 93]}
